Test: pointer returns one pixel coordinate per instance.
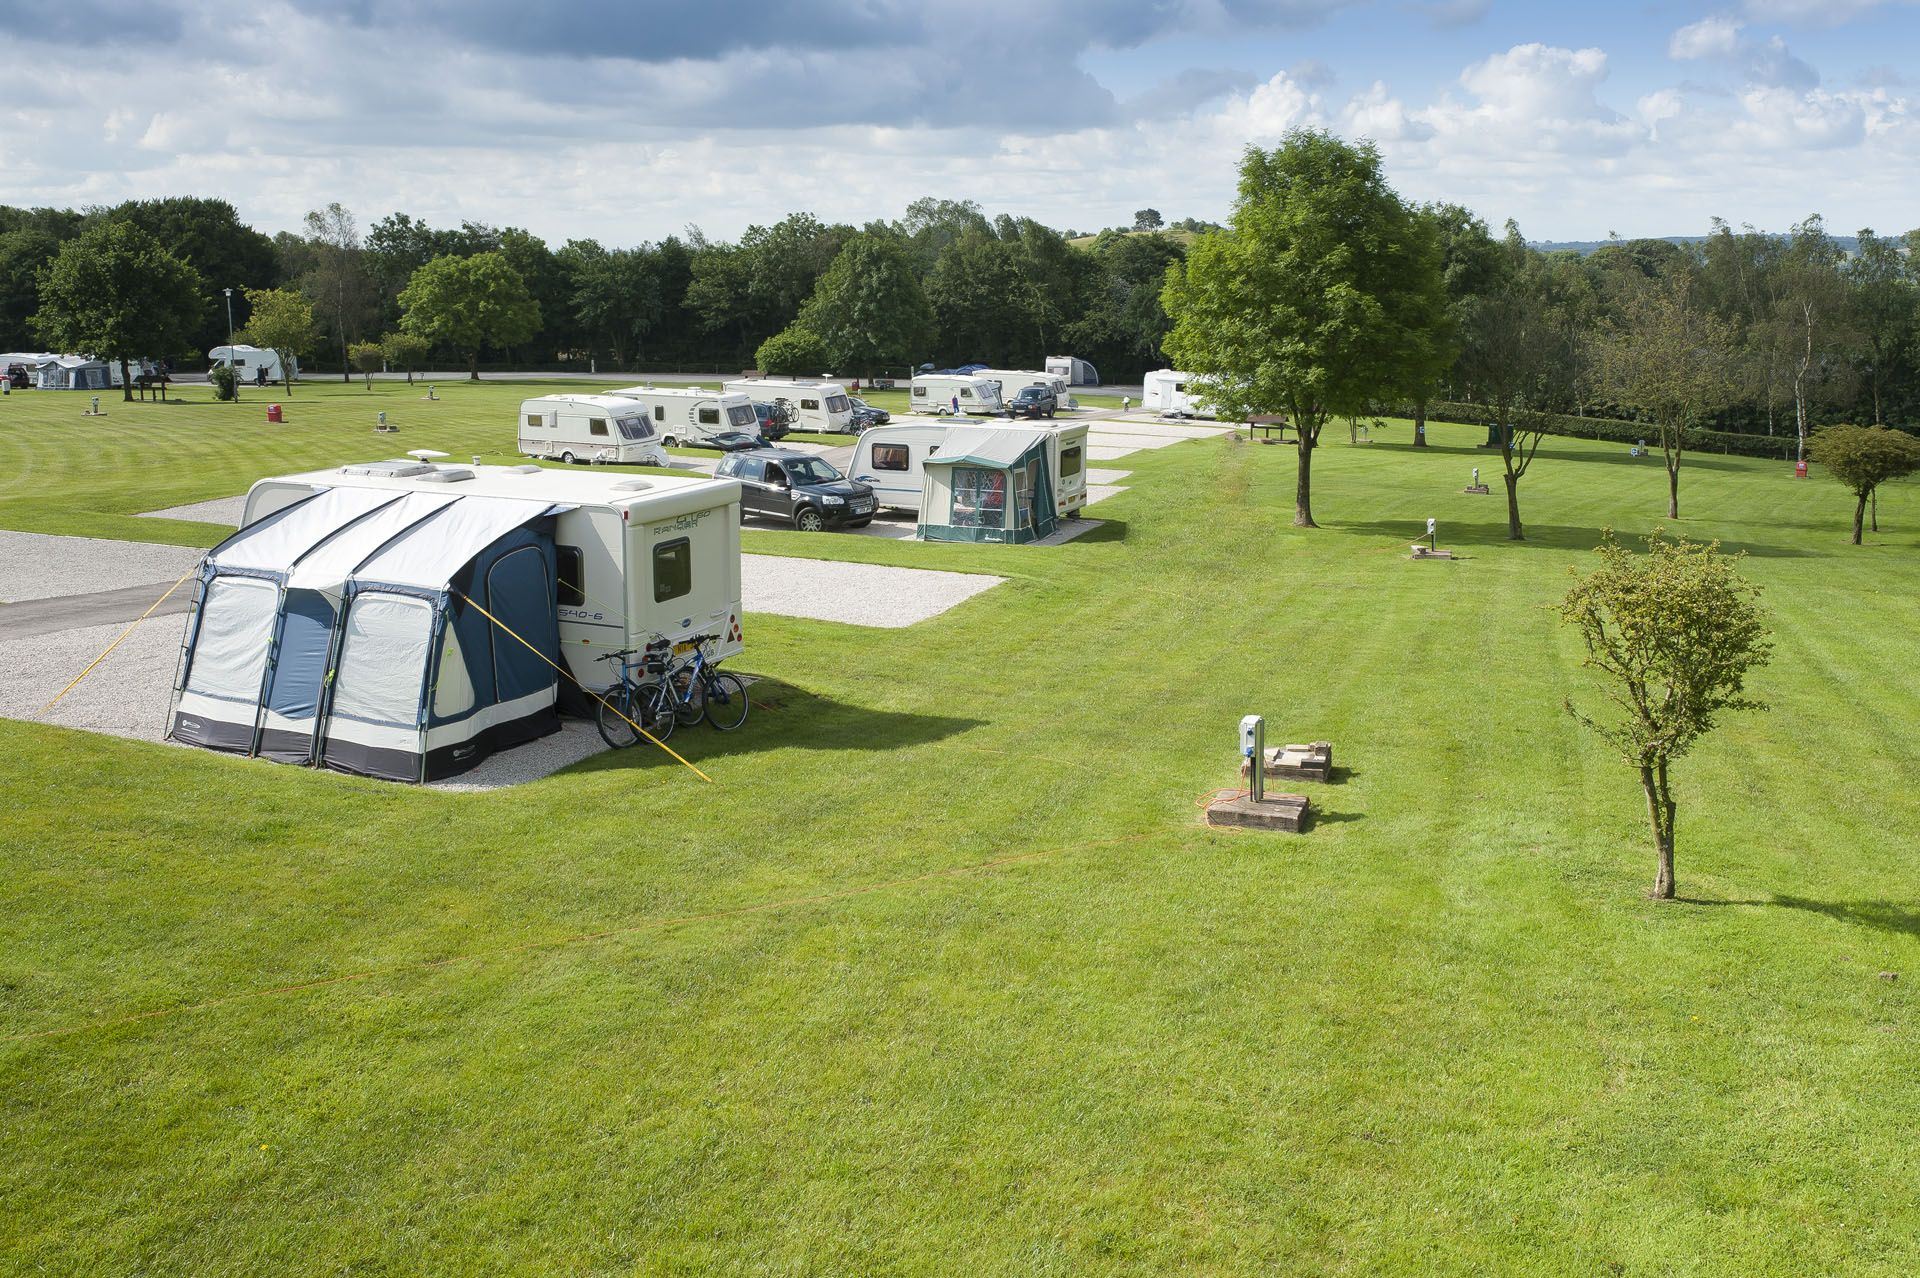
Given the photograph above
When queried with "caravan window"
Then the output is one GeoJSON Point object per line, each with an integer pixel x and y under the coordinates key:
{"type": "Point", "coordinates": [596, 425]}
{"type": "Point", "coordinates": [838, 404]}
{"type": "Point", "coordinates": [659, 412]}
{"type": "Point", "coordinates": [1069, 462]}
{"type": "Point", "coordinates": [741, 417]}
{"type": "Point", "coordinates": [810, 405]}
{"type": "Point", "coordinates": [966, 392]}
{"type": "Point", "coordinates": [709, 417]}
{"type": "Point", "coordinates": [672, 569]}
{"type": "Point", "coordinates": [919, 392]}
{"type": "Point", "coordinates": [890, 457]}
{"type": "Point", "coordinates": [535, 421]}
{"type": "Point", "coordinates": [569, 576]}
{"type": "Point", "coordinates": [635, 427]}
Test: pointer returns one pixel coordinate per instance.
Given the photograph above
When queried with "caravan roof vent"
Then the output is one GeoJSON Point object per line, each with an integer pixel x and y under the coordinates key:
{"type": "Point", "coordinates": [520, 470]}
{"type": "Point", "coordinates": [446, 475]}
{"type": "Point", "coordinates": [633, 485]}
{"type": "Point", "coordinates": [398, 468]}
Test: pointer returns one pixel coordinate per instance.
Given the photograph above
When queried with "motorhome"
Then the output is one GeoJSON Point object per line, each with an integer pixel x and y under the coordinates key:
{"type": "Point", "coordinates": [681, 413]}
{"type": "Point", "coordinates": [636, 555]}
{"type": "Point", "coordinates": [1077, 371]}
{"type": "Point", "coordinates": [1011, 382]}
{"type": "Point", "coordinates": [891, 460]}
{"type": "Point", "coordinates": [596, 429]}
{"type": "Point", "coordinates": [822, 407]}
{"type": "Point", "coordinates": [945, 394]}
{"type": "Point", "coordinates": [1169, 392]}
{"type": "Point", "coordinates": [247, 361]}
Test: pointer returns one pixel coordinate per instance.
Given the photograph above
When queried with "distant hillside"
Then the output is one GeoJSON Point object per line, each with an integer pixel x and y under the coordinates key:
{"type": "Point", "coordinates": [1182, 238]}
{"type": "Point", "coordinates": [1851, 243]}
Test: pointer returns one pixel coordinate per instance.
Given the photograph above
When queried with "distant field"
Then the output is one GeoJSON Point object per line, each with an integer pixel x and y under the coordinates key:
{"type": "Point", "coordinates": [944, 974]}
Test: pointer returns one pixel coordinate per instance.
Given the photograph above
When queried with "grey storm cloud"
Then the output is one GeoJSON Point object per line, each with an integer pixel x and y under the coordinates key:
{"type": "Point", "coordinates": [68, 22]}
{"type": "Point", "coordinates": [1179, 94]}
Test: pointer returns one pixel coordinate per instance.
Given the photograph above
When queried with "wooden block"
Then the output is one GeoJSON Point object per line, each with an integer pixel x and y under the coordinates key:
{"type": "Point", "coordinates": [1282, 812]}
{"type": "Point", "coordinates": [1427, 552]}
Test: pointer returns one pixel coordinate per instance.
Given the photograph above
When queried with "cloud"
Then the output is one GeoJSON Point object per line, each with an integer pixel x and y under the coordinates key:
{"type": "Point", "coordinates": [1719, 40]}
{"type": "Point", "coordinates": [1708, 38]}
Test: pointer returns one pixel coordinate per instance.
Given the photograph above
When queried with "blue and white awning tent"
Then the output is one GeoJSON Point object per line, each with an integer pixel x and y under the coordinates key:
{"type": "Point", "coordinates": [988, 484]}
{"type": "Point", "coordinates": [348, 632]}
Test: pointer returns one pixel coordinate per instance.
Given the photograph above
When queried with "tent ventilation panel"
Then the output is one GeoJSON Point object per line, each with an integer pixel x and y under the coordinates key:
{"type": "Point", "coordinates": [445, 475]}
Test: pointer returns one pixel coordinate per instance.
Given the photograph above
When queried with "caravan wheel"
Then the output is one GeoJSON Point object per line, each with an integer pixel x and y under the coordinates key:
{"type": "Point", "coordinates": [567, 458]}
{"type": "Point", "coordinates": [669, 441]}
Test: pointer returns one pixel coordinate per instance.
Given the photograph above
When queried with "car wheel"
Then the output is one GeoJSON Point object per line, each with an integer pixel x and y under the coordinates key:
{"type": "Point", "coordinates": [1049, 413]}
{"type": "Point", "coordinates": [807, 519]}
{"type": "Point", "coordinates": [567, 458]}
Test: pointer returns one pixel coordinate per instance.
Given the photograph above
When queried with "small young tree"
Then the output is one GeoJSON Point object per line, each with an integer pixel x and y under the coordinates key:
{"type": "Point", "coordinates": [404, 350]}
{"type": "Point", "coordinates": [367, 357]}
{"type": "Point", "coordinates": [1862, 458]}
{"type": "Point", "coordinates": [1675, 631]}
{"type": "Point", "coordinates": [282, 323]}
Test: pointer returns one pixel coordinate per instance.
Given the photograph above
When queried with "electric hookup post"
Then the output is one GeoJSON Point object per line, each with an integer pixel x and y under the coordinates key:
{"type": "Point", "coordinates": [1253, 748]}
{"type": "Point", "coordinates": [1433, 536]}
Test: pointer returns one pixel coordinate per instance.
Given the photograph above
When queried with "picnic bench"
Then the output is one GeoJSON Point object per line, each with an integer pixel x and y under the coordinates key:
{"type": "Point", "coordinates": [1269, 423]}
{"type": "Point", "coordinates": [155, 382]}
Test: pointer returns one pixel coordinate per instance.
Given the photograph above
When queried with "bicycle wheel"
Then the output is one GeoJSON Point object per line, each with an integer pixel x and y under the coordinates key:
{"type": "Point", "coordinates": [616, 704]}
{"type": "Point", "coordinates": [690, 698]}
{"type": "Point", "coordinates": [726, 702]}
{"type": "Point", "coordinates": [656, 711]}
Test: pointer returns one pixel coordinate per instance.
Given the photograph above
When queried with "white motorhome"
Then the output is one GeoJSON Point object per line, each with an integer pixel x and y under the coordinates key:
{"type": "Point", "coordinates": [1168, 392]}
{"type": "Point", "coordinates": [596, 429]}
{"type": "Point", "coordinates": [249, 360]}
{"type": "Point", "coordinates": [942, 394]}
{"type": "Point", "coordinates": [635, 556]}
{"type": "Point", "coordinates": [816, 406]}
{"type": "Point", "coordinates": [1012, 381]}
{"type": "Point", "coordinates": [889, 459]}
{"type": "Point", "coordinates": [681, 413]}
{"type": "Point", "coordinates": [1077, 371]}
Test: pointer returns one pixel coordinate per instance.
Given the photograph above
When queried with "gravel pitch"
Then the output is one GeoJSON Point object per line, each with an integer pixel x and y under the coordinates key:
{"type": "Point", "coordinates": [36, 566]}
{"type": "Point", "coordinates": [221, 510]}
{"type": "Point", "coordinates": [858, 594]}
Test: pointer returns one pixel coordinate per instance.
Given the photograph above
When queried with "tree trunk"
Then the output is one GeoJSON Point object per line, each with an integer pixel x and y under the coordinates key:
{"type": "Point", "coordinates": [473, 365]}
{"type": "Point", "coordinates": [1420, 424]}
{"type": "Point", "coordinates": [1303, 487]}
{"type": "Point", "coordinates": [409, 374]}
{"type": "Point", "coordinates": [1514, 531]}
{"type": "Point", "coordinates": [1873, 505]}
{"type": "Point", "coordinates": [1660, 818]}
{"type": "Point", "coordinates": [126, 381]}
{"type": "Point", "coordinates": [1859, 515]}
{"type": "Point", "coordinates": [286, 372]}
{"type": "Point", "coordinates": [1673, 487]}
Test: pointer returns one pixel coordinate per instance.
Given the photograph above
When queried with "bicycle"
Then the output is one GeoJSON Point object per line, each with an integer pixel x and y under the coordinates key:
{"type": "Point", "coordinates": [697, 689]}
{"type": "Point", "coordinates": [632, 701]}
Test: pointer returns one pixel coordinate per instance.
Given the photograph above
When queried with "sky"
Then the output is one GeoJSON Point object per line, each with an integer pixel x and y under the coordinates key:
{"type": "Point", "coordinates": [628, 122]}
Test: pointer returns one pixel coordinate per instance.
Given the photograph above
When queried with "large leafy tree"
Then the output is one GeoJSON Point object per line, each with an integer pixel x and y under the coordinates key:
{"type": "Point", "coordinates": [616, 295]}
{"type": "Point", "coordinates": [1813, 315]}
{"type": "Point", "coordinates": [1472, 266]}
{"type": "Point", "coordinates": [1886, 311]}
{"type": "Point", "coordinates": [468, 303]}
{"type": "Point", "coordinates": [24, 253]}
{"type": "Point", "coordinates": [114, 291]}
{"type": "Point", "coordinates": [869, 310]}
{"type": "Point", "coordinates": [208, 235]}
{"type": "Point", "coordinates": [1675, 632]}
{"type": "Point", "coordinates": [342, 292]}
{"type": "Point", "coordinates": [282, 322]}
{"type": "Point", "coordinates": [1120, 321]}
{"type": "Point", "coordinates": [1323, 295]}
{"type": "Point", "coordinates": [976, 293]}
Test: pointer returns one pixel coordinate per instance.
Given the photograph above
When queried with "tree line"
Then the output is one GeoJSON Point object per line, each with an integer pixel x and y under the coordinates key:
{"type": "Point", "coordinates": [942, 284]}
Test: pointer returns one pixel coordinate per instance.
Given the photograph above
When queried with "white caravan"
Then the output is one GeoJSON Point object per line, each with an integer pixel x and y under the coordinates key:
{"type": "Point", "coordinates": [1077, 371]}
{"type": "Point", "coordinates": [681, 413]}
{"type": "Point", "coordinates": [596, 429]}
{"type": "Point", "coordinates": [822, 407]}
{"type": "Point", "coordinates": [1012, 381]}
{"type": "Point", "coordinates": [635, 556]}
{"type": "Point", "coordinates": [249, 360]}
{"type": "Point", "coordinates": [889, 459]}
{"type": "Point", "coordinates": [1167, 391]}
{"type": "Point", "coordinates": [971, 394]}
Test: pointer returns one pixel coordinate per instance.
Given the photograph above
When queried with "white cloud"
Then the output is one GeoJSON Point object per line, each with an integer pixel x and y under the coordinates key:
{"type": "Point", "coordinates": [1707, 38]}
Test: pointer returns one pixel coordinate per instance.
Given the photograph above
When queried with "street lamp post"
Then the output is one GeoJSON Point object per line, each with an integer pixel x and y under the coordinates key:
{"type": "Point", "coordinates": [236, 380]}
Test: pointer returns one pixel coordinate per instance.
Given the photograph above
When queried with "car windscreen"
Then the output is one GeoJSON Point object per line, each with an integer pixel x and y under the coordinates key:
{"type": "Point", "coordinates": [810, 470]}
{"type": "Point", "coordinates": [838, 404]}
{"type": "Point", "coordinates": [635, 427]}
{"type": "Point", "coordinates": [741, 415]}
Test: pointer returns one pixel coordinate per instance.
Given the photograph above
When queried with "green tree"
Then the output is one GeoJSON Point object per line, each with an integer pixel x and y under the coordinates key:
{"type": "Point", "coordinates": [616, 296]}
{"type": "Point", "coordinates": [367, 357]}
{"type": "Point", "coordinates": [795, 351]}
{"type": "Point", "coordinates": [1863, 458]}
{"type": "Point", "coordinates": [1669, 360]}
{"type": "Point", "coordinates": [976, 292]}
{"type": "Point", "coordinates": [1676, 632]}
{"type": "Point", "coordinates": [337, 281]}
{"type": "Point", "coordinates": [468, 303]}
{"type": "Point", "coordinates": [208, 235]}
{"type": "Point", "coordinates": [1886, 311]}
{"type": "Point", "coordinates": [24, 253]}
{"type": "Point", "coordinates": [1472, 265]}
{"type": "Point", "coordinates": [282, 322]}
{"type": "Point", "coordinates": [114, 291]}
{"type": "Point", "coordinates": [1324, 294]}
{"type": "Point", "coordinates": [1147, 220]}
{"type": "Point", "coordinates": [869, 310]}
{"type": "Point", "coordinates": [1814, 315]}
{"type": "Point", "coordinates": [404, 350]}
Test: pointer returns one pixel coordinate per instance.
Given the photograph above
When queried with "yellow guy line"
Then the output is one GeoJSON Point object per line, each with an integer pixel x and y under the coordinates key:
{"type": "Point", "coordinates": [116, 643]}
{"type": "Point", "coordinates": [583, 687]}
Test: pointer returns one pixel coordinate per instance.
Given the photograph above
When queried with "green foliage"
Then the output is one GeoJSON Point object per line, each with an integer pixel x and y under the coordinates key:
{"type": "Point", "coordinates": [467, 303]}
{"type": "Point", "coordinates": [617, 295]}
{"type": "Point", "coordinates": [282, 322]}
{"type": "Point", "coordinates": [868, 311]}
{"type": "Point", "coordinates": [1863, 458]}
{"type": "Point", "coordinates": [208, 235]}
{"type": "Point", "coordinates": [225, 380]}
{"type": "Point", "coordinates": [24, 253]}
{"type": "Point", "coordinates": [367, 357]}
{"type": "Point", "coordinates": [795, 351]}
{"type": "Point", "coordinates": [1675, 632]}
{"type": "Point", "coordinates": [1622, 431]}
{"type": "Point", "coordinates": [404, 351]}
{"type": "Point", "coordinates": [114, 291]}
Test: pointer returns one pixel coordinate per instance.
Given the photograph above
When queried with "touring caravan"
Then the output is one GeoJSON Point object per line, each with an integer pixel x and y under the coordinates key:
{"type": "Point", "coordinates": [1011, 382]}
{"type": "Point", "coordinates": [1077, 371]}
{"type": "Point", "coordinates": [247, 361]}
{"type": "Point", "coordinates": [1166, 391]}
{"type": "Point", "coordinates": [590, 428]}
{"type": "Point", "coordinates": [817, 406]}
{"type": "Point", "coordinates": [976, 394]}
{"type": "Point", "coordinates": [681, 413]}
{"type": "Point", "coordinates": [892, 459]}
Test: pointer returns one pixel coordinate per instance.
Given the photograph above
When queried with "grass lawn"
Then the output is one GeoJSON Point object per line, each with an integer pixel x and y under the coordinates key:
{"type": "Point", "coordinates": [944, 974]}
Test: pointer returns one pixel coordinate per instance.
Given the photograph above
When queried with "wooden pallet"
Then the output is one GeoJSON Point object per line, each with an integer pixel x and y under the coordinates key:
{"type": "Point", "coordinates": [1283, 812]}
{"type": "Point", "coordinates": [1311, 762]}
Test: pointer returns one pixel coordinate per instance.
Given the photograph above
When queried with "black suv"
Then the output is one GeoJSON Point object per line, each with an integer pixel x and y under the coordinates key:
{"type": "Point", "coordinates": [798, 487]}
{"type": "Point", "coordinates": [1033, 401]}
{"type": "Point", "coordinates": [774, 418]}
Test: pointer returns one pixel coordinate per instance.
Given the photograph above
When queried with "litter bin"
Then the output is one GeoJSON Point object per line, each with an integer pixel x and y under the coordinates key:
{"type": "Point", "coordinates": [1799, 470]}
{"type": "Point", "coordinates": [273, 412]}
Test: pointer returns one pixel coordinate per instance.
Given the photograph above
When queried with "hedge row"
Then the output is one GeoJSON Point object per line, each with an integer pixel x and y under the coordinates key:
{"type": "Point", "coordinates": [1614, 430]}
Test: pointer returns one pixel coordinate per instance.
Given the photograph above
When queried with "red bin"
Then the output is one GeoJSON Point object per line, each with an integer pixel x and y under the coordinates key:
{"type": "Point", "coordinates": [1800, 470]}
{"type": "Point", "coordinates": [273, 412]}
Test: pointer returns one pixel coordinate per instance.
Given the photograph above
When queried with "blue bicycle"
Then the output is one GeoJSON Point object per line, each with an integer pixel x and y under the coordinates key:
{"type": "Point", "coordinates": [697, 689]}
{"type": "Point", "coordinates": [632, 704]}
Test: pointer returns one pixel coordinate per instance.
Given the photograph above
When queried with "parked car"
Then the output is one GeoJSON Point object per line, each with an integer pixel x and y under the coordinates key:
{"type": "Point", "coordinates": [1033, 401]}
{"type": "Point", "coordinates": [775, 419]}
{"type": "Point", "coordinates": [727, 441]}
{"type": "Point", "coordinates": [798, 488]}
{"type": "Point", "coordinates": [865, 414]}
{"type": "Point", "coordinates": [18, 377]}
